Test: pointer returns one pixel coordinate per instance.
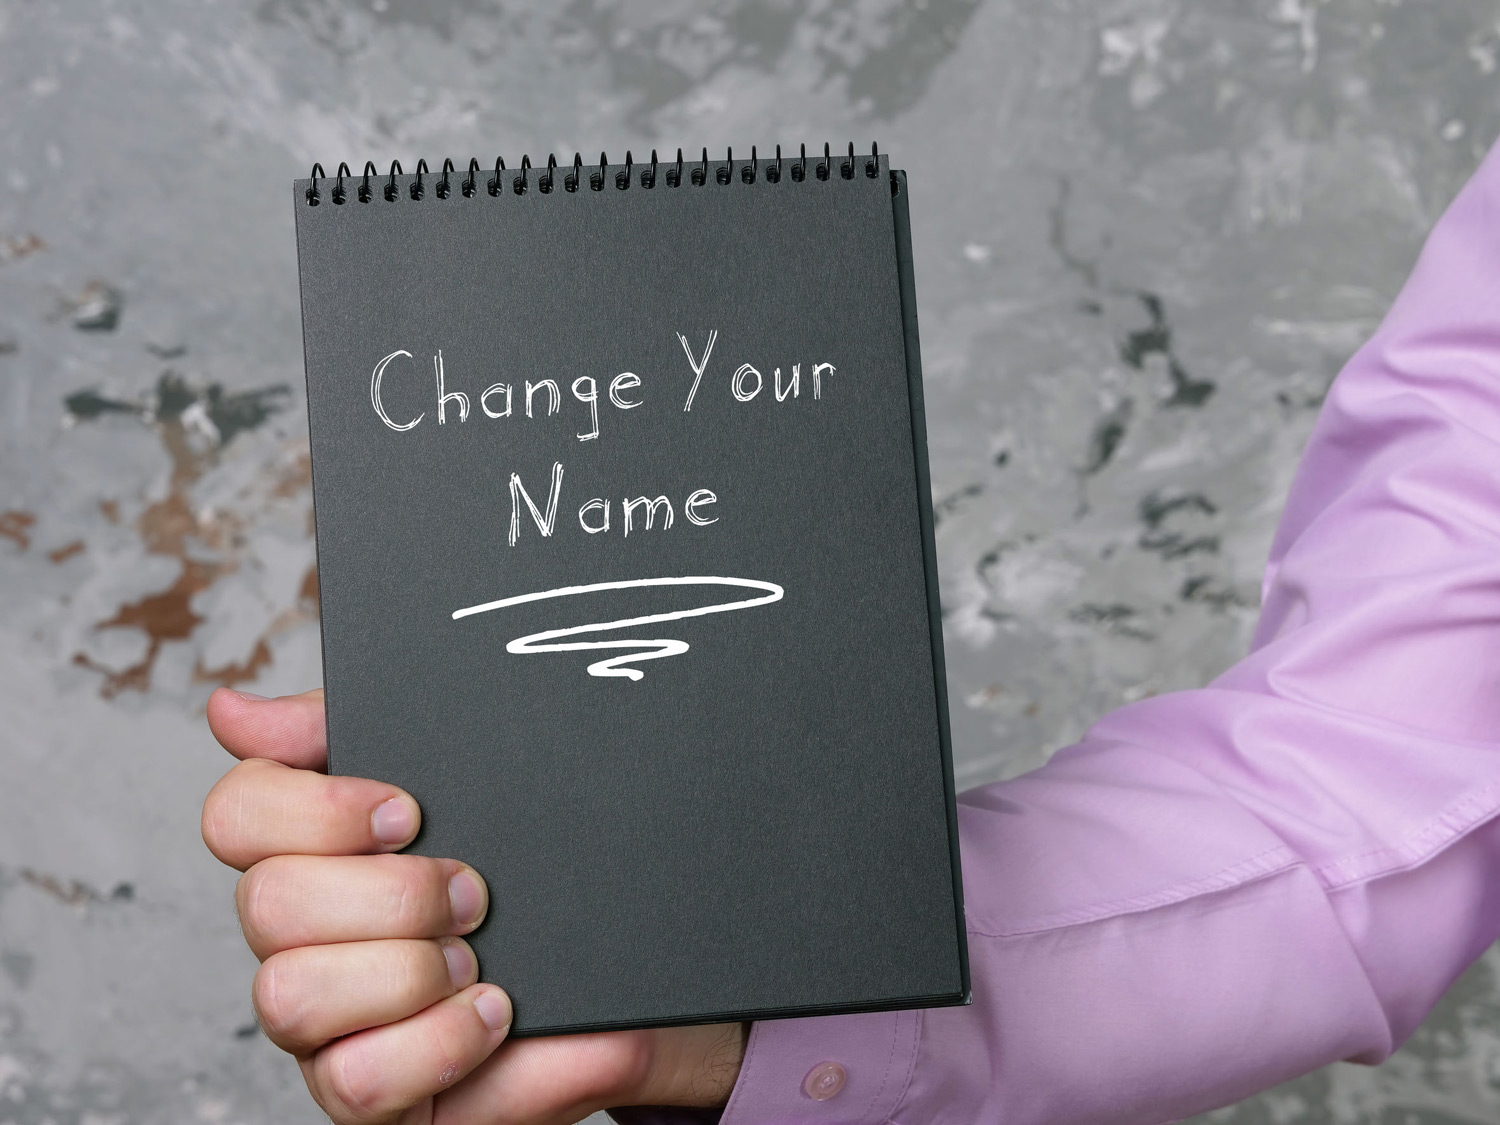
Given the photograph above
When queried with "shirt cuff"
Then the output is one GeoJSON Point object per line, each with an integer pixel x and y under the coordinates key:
{"type": "Point", "coordinates": [852, 1070]}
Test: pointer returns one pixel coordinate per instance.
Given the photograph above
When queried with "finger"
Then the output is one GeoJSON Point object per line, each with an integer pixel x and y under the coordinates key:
{"type": "Point", "coordinates": [289, 730]}
{"type": "Point", "coordinates": [305, 997]}
{"type": "Point", "coordinates": [263, 808]}
{"type": "Point", "coordinates": [558, 1079]}
{"type": "Point", "coordinates": [293, 900]}
{"type": "Point", "coordinates": [374, 1075]}
{"type": "Point", "coordinates": [550, 1081]}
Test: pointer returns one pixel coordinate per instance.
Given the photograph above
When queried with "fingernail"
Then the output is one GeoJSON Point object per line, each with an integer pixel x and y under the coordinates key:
{"type": "Point", "coordinates": [493, 1007]}
{"type": "Point", "coordinates": [467, 895]}
{"type": "Point", "coordinates": [462, 966]}
{"type": "Point", "coordinates": [251, 696]}
{"type": "Point", "coordinates": [393, 822]}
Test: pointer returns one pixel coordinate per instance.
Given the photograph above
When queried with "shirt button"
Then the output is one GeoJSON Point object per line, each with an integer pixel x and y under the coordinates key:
{"type": "Point", "coordinates": [824, 1081]}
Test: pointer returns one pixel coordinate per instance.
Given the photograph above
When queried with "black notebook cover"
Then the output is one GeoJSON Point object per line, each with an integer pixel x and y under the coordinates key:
{"type": "Point", "coordinates": [656, 643]}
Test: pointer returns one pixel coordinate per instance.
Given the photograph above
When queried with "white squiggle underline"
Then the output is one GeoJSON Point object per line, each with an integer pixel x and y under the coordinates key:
{"type": "Point", "coordinates": [652, 649]}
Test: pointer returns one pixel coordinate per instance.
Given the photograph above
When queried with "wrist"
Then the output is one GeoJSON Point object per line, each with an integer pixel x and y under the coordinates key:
{"type": "Point", "coordinates": [694, 1066]}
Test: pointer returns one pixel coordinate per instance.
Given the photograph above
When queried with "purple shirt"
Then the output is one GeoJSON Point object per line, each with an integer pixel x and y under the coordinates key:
{"type": "Point", "coordinates": [1218, 890]}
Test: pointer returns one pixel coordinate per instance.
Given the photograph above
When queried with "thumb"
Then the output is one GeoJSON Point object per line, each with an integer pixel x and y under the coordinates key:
{"type": "Point", "coordinates": [289, 729]}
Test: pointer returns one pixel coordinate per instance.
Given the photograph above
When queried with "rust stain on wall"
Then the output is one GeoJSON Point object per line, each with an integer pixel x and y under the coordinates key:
{"type": "Point", "coordinates": [193, 424]}
{"type": "Point", "coordinates": [229, 675]}
{"type": "Point", "coordinates": [16, 525]}
{"type": "Point", "coordinates": [166, 616]}
{"type": "Point", "coordinates": [297, 478]}
{"type": "Point", "coordinates": [303, 611]}
{"type": "Point", "coordinates": [19, 246]}
{"type": "Point", "coordinates": [309, 591]}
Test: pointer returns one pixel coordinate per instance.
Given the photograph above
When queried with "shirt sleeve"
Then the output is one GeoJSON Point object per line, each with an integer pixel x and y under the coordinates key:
{"type": "Point", "coordinates": [1218, 890]}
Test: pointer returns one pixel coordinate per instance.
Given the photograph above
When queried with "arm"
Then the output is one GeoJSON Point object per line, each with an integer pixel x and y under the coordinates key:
{"type": "Point", "coordinates": [1220, 889]}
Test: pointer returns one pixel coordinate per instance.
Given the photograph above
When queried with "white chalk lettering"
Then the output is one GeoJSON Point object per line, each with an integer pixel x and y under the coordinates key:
{"type": "Point", "coordinates": [818, 370]}
{"type": "Point", "coordinates": [484, 400]}
{"type": "Point", "coordinates": [697, 365]}
{"type": "Point", "coordinates": [544, 524]}
{"type": "Point", "coordinates": [590, 395]}
{"type": "Point", "coordinates": [737, 385]}
{"type": "Point", "coordinates": [697, 499]}
{"type": "Point", "coordinates": [623, 382]}
{"type": "Point", "coordinates": [375, 394]}
{"type": "Point", "coordinates": [594, 505]}
{"type": "Point", "coordinates": [445, 397]}
{"type": "Point", "coordinates": [554, 395]}
{"type": "Point", "coordinates": [650, 506]}
{"type": "Point", "coordinates": [626, 392]}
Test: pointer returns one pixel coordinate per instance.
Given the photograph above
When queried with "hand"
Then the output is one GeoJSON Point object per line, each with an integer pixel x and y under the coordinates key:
{"type": "Point", "coordinates": [365, 977]}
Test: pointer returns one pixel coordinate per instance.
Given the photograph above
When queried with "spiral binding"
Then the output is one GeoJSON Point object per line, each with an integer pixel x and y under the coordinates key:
{"type": "Point", "coordinates": [673, 174]}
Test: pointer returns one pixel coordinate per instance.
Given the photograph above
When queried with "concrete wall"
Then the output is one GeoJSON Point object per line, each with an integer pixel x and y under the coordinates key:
{"type": "Point", "coordinates": [1148, 233]}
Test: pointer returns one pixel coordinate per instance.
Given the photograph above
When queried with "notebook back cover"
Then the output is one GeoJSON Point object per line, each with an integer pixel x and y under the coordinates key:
{"type": "Point", "coordinates": [739, 806]}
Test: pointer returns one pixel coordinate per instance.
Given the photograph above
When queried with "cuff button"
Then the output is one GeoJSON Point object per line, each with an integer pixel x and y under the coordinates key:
{"type": "Point", "coordinates": [824, 1081]}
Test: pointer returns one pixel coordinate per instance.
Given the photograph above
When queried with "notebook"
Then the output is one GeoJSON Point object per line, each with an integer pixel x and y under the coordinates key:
{"type": "Point", "coordinates": [626, 563]}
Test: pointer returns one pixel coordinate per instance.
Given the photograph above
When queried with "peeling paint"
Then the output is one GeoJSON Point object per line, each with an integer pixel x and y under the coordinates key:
{"type": "Point", "coordinates": [16, 526]}
{"type": "Point", "coordinates": [945, 506]}
{"type": "Point", "coordinates": [74, 892]}
{"type": "Point", "coordinates": [162, 617]}
{"type": "Point", "coordinates": [19, 246]}
{"type": "Point", "coordinates": [65, 552]}
{"type": "Point", "coordinates": [1109, 431]}
{"type": "Point", "coordinates": [97, 308]}
{"type": "Point", "coordinates": [193, 423]}
{"type": "Point", "coordinates": [1156, 339]}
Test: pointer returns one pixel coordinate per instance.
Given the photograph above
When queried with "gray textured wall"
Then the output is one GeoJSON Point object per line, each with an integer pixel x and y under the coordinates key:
{"type": "Point", "coordinates": [1148, 232]}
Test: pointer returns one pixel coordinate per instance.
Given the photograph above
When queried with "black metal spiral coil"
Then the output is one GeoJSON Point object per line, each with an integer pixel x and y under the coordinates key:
{"type": "Point", "coordinates": [674, 174]}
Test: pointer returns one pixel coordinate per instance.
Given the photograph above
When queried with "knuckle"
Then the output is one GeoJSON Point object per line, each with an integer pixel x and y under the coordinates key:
{"type": "Point", "coordinates": [232, 808]}
{"type": "Point", "coordinates": [338, 797]}
{"type": "Point", "coordinates": [418, 895]}
{"type": "Point", "coordinates": [332, 806]}
{"type": "Point", "coordinates": [279, 1004]}
{"type": "Point", "coordinates": [220, 820]}
{"type": "Point", "coordinates": [255, 900]}
{"type": "Point", "coordinates": [351, 1087]}
{"type": "Point", "coordinates": [409, 969]}
{"type": "Point", "coordinates": [213, 826]}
